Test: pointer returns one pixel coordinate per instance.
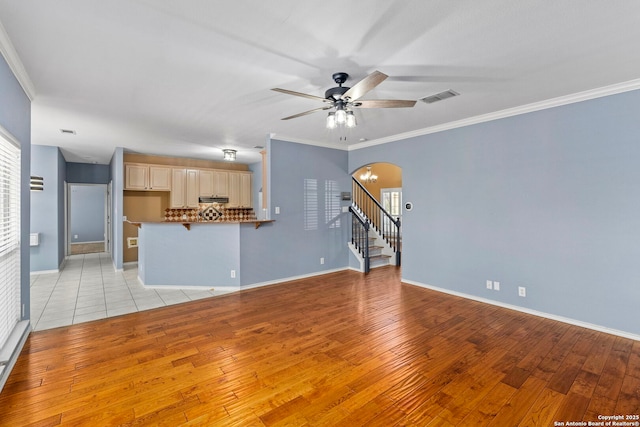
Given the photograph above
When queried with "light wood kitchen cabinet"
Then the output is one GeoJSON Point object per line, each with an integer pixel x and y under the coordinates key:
{"type": "Point", "coordinates": [240, 190]}
{"type": "Point", "coordinates": [142, 177]}
{"type": "Point", "coordinates": [159, 178]}
{"type": "Point", "coordinates": [214, 183]}
{"type": "Point", "coordinates": [185, 191]}
{"type": "Point", "coordinates": [136, 177]}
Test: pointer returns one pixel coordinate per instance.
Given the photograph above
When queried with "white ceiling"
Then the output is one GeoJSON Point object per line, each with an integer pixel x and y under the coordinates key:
{"type": "Point", "coordinates": [190, 77]}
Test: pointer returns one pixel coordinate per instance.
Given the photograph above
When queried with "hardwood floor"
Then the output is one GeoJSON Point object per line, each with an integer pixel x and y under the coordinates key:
{"type": "Point", "coordinates": [342, 349]}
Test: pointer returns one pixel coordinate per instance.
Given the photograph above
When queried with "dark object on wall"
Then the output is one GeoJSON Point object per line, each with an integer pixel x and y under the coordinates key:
{"type": "Point", "coordinates": [37, 183]}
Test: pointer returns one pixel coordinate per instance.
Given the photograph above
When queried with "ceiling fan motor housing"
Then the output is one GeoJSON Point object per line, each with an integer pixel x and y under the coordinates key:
{"type": "Point", "coordinates": [336, 92]}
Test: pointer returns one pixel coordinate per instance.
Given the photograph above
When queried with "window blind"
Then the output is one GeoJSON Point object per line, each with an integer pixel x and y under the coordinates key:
{"type": "Point", "coordinates": [9, 238]}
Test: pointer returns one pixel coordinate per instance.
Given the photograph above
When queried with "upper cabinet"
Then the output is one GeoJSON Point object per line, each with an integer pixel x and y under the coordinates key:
{"type": "Point", "coordinates": [147, 177]}
{"type": "Point", "coordinates": [159, 178]}
{"type": "Point", "coordinates": [214, 183]}
{"type": "Point", "coordinates": [187, 185]}
{"type": "Point", "coordinates": [185, 188]}
{"type": "Point", "coordinates": [240, 190]}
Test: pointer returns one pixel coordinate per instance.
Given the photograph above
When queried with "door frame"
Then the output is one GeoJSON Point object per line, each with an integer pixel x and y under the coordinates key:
{"type": "Point", "coordinates": [67, 213]}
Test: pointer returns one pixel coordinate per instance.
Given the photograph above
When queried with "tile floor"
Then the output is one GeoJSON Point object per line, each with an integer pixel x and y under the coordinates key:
{"type": "Point", "coordinates": [88, 289]}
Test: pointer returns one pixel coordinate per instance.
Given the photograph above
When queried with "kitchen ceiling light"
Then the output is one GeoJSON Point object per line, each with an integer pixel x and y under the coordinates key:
{"type": "Point", "coordinates": [229, 155]}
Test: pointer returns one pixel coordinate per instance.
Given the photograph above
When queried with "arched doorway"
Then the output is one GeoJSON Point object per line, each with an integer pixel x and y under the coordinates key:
{"type": "Point", "coordinates": [377, 199]}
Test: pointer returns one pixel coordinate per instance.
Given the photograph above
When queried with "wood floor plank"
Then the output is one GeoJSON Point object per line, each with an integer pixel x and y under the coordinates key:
{"type": "Point", "coordinates": [342, 349]}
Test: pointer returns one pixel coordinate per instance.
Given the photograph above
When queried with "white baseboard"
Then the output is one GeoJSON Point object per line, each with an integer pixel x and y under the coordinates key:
{"type": "Point", "coordinates": [289, 279]}
{"type": "Point", "coordinates": [562, 319]}
{"type": "Point", "coordinates": [33, 273]}
{"type": "Point", "coordinates": [190, 287]}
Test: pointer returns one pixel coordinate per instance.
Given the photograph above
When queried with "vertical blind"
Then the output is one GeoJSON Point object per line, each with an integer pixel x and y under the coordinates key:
{"type": "Point", "coordinates": [9, 238]}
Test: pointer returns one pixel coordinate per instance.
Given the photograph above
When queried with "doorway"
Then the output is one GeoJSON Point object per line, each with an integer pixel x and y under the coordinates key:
{"type": "Point", "coordinates": [87, 219]}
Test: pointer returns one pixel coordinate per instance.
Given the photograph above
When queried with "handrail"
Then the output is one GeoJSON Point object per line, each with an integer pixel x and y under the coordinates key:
{"type": "Point", "coordinates": [360, 236]}
{"type": "Point", "coordinates": [375, 201]}
{"type": "Point", "coordinates": [387, 226]}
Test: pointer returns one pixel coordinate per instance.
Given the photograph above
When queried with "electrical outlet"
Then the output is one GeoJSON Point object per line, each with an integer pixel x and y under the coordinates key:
{"type": "Point", "coordinates": [277, 210]}
{"type": "Point", "coordinates": [489, 284]}
{"type": "Point", "coordinates": [496, 286]}
{"type": "Point", "coordinates": [321, 260]}
{"type": "Point", "coordinates": [522, 291]}
{"type": "Point", "coordinates": [233, 274]}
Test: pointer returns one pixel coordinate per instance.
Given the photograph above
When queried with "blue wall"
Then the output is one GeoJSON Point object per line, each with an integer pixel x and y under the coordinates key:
{"type": "Point", "coordinates": [47, 208]}
{"type": "Point", "coordinates": [545, 200]}
{"type": "Point", "coordinates": [116, 176]}
{"type": "Point", "coordinates": [171, 255]}
{"type": "Point", "coordinates": [86, 173]}
{"type": "Point", "coordinates": [291, 247]}
{"type": "Point", "coordinates": [87, 212]}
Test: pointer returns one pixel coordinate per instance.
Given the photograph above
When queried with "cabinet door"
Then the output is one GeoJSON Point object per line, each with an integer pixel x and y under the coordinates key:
{"type": "Point", "coordinates": [234, 190]}
{"type": "Point", "coordinates": [206, 183]}
{"type": "Point", "coordinates": [159, 178]}
{"type": "Point", "coordinates": [221, 183]}
{"type": "Point", "coordinates": [178, 180]}
{"type": "Point", "coordinates": [246, 201]}
{"type": "Point", "coordinates": [240, 190]}
{"type": "Point", "coordinates": [135, 177]}
{"type": "Point", "coordinates": [192, 189]}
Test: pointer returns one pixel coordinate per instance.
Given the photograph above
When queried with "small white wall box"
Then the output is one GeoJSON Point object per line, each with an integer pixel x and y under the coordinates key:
{"type": "Point", "coordinates": [132, 242]}
{"type": "Point", "coordinates": [34, 239]}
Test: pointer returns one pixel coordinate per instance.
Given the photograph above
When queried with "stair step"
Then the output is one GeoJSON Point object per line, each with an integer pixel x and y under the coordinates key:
{"type": "Point", "coordinates": [379, 260]}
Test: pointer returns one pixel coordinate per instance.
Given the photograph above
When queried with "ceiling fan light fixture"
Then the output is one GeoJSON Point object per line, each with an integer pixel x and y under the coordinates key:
{"type": "Point", "coordinates": [331, 120]}
{"type": "Point", "coordinates": [341, 116]}
{"type": "Point", "coordinates": [229, 155]}
{"type": "Point", "coordinates": [351, 119]}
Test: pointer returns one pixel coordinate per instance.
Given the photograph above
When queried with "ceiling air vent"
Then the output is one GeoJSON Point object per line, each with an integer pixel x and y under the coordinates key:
{"type": "Point", "coordinates": [439, 96]}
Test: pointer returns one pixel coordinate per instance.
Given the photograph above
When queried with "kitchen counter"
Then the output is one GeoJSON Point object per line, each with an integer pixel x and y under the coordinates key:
{"type": "Point", "coordinates": [187, 224]}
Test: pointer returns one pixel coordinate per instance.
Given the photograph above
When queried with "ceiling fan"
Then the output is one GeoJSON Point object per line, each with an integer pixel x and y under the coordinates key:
{"type": "Point", "coordinates": [343, 99]}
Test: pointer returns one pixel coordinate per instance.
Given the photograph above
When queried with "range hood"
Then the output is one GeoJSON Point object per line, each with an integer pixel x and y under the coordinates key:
{"type": "Point", "coordinates": [214, 200]}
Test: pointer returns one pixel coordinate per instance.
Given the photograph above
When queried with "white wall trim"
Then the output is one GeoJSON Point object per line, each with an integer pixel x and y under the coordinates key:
{"type": "Point", "coordinates": [289, 279]}
{"type": "Point", "coordinates": [190, 287]}
{"type": "Point", "coordinates": [509, 112]}
{"type": "Point", "coordinates": [529, 311]}
{"type": "Point", "coordinates": [10, 55]}
{"type": "Point", "coordinates": [33, 273]}
{"type": "Point", "coordinates": [16, 342]}
{"type": "Point", "coordinates": [285, 138]}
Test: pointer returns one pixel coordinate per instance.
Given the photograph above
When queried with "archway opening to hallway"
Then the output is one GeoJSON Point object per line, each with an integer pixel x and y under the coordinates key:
{"type": "Point", "coordinates": [377, 196]}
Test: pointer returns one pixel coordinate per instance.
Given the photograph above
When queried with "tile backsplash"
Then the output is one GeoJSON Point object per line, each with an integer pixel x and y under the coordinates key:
{"type": "Point", "coordinates": [210, 212]}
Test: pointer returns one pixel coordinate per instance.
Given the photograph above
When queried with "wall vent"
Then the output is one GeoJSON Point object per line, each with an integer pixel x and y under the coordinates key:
{"type": "Point", "coordinates": [439, 96]}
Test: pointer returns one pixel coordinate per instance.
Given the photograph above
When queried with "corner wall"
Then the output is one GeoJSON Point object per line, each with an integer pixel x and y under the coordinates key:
{"type": "Point", "coordinates": [305, 184]}
{"type": "Point", "coordinates": [47, 209]}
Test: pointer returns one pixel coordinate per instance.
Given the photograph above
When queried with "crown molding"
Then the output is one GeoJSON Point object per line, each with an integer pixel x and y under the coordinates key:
{"type": "Point", "coordinates": [509, 112]}
{"type": "Point", "coordinates": [15, 64]}
{"type": "Point", "coordinates": [308, 142]}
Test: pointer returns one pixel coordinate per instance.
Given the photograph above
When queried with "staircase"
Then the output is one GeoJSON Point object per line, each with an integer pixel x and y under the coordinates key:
{"type": "Point", "coordinates": [375, 234]}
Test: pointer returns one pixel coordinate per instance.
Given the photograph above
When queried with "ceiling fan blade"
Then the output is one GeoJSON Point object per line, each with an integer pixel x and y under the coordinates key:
{"type": "Point", "coordinates": [308, 112]}
{"type": "Point", "coordinates": [365, 85]}
{"type": "Point", "coordinates": [304, 95]}
{"type": "Point", "coordinates": [384, 103]}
